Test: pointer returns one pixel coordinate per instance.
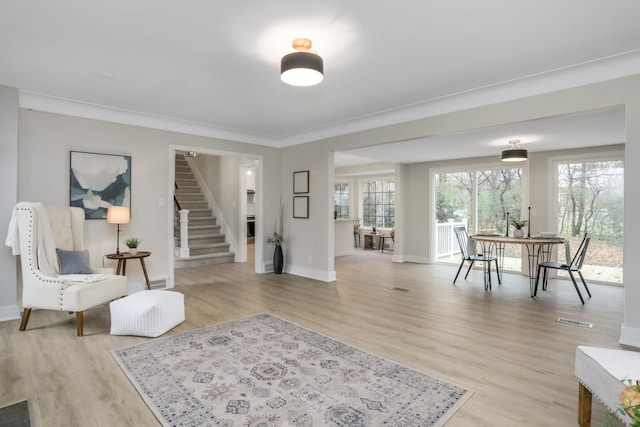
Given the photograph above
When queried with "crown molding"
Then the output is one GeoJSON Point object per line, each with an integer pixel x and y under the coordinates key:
{"type": "Point", "coordinates": [610, 68]}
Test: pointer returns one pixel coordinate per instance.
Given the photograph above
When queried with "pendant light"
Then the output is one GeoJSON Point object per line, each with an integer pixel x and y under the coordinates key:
{"type": "Point", "coordinates": [302, 68]}
{"type": "Point", "coordinates": [514, 153]}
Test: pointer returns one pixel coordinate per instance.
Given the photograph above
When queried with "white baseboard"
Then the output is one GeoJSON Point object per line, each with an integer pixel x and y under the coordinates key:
{"type": "Point", "coordinates": [411, 258]}
{"type": "Point", "coordinates": [630, 336]}
{"type": "Point", "coordinates": [9, 312]}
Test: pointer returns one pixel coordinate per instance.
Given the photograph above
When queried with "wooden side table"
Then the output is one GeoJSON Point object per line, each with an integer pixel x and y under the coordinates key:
{"type": "Point", "coordinates": [122, 263]}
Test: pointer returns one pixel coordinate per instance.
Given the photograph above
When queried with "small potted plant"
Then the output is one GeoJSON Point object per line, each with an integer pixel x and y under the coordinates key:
{"type": "Point", "coordinates": [132, 243]}
{"type": "Point", "coordinates": [373, 230]}
{"type": "Point", "coordinates": [518, 224]}
{"type": "Point", "coordinates": [630, 404]}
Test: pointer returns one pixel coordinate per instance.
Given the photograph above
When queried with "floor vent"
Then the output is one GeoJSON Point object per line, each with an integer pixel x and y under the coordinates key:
{"type": "Point", "coordinates": [574, 322]}
{"type": "Point", "coordinates": [158, 283]}
{"type": "Point", "coordinates": [399, 289]}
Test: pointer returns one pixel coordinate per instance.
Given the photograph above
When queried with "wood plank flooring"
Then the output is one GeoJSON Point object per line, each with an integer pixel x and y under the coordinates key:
{"type": "Point", "coordinates": [504, 345]}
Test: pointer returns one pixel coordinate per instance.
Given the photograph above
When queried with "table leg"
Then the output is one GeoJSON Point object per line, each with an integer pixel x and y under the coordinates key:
{"type": "Point", "coordinates": [144, 270]}
{"type": "Point", "coordinates": [119, 267]}
{"type": "Point", "coordinates": [487, 250]}
{"type": "Point", "coordinates": [536, 252]}
{"type": "Point", "coordinates": [500, 257]}
{"type": "Point", "coordinates": [544, 256]}
{"type": "Point", "coordinates": [124, 267]}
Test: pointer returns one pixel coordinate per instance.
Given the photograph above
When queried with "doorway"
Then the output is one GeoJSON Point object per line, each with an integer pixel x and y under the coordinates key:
{"type": "Point", "coordinates": [228, 191]}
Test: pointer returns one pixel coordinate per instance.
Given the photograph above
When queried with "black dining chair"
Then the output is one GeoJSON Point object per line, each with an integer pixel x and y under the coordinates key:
{"type": "Point", "coordinates": [570, 266]}
{"type": "Point", "coordinates": [356, 235]}
{"type": "Point", "coordinates": [469, 254]}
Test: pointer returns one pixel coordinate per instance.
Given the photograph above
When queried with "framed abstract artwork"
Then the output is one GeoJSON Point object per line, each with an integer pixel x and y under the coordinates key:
{"type": "Point", "coordinates": [98, 181]}
{"type": "Point", "coordinates": [301, 207]}
{"type": "Point", "coordinates": [301, 182]}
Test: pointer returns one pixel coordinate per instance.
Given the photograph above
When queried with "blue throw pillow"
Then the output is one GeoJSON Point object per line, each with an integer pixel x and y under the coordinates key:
{"type": "Point", "coordinates": [74, 262]}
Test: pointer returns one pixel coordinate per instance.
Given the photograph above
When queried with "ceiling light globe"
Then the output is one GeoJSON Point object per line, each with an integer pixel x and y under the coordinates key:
{"type": "Point", "coordinates": [302, 69]}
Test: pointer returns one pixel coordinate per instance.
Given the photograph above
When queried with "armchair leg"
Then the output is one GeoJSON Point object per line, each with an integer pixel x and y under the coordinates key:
{"type": "Point", "coordinates": [80, 322]}
{"type": "Point", "coordinates": [26, 312]}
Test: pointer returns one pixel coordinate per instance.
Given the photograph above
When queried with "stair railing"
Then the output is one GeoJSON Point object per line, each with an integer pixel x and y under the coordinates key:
{"type": "Point", "coordinates": [180, 228]}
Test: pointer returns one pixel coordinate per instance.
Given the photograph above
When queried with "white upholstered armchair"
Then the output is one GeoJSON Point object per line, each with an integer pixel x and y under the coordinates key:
{"type": "Point", "coordinates": [37, 233]}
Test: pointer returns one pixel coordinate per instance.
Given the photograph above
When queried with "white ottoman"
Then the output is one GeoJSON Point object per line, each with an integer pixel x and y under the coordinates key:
{"type": "Point", "coordinates": [147, 313]}
{"type": "Point", "coordinates": [600, 372]}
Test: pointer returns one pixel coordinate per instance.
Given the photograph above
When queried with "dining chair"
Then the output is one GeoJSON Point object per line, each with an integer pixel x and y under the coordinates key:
{"type": "Point", "coordinates": [570, 266]}
{"type": "Point", "coordinates": [469, 254]}
{"type": "Point", "coordinates": [356, 235]}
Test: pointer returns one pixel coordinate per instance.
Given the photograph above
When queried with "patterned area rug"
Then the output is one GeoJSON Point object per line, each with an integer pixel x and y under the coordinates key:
{"type": "Point", "coordinates": [264, 371]}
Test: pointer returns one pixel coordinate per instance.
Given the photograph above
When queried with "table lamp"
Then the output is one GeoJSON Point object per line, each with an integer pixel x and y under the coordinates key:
{"type": "Point", "coordinates": [118, 215]}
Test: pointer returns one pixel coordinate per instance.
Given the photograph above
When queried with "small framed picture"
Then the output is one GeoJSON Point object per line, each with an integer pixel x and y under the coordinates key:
{"type": "Point", "coordinates": [301, 206]}
{"type": "Point", "coordinates": [301, 182]}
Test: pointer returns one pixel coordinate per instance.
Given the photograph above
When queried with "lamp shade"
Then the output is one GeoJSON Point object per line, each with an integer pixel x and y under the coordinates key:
{"type": "Point", "coordinates": [302, 69]}
{"type": "Point", "coordinates": [515, 153]}
{"type": "Point", "coordinates": [118, 215]}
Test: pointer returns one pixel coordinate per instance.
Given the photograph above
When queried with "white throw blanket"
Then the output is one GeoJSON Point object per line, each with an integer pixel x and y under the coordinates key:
{"type": "Point", "coordinates": [86, 278]}
{"type": "Point", "coordinates": [47, 258]}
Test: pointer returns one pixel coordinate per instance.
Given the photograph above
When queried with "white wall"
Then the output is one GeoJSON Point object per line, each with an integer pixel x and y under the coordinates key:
{"type": "Point", "coordinates": [9, 308]}
{"type": "Point", "coordinates": [45, 141]}
{"type": "Point", "coordinates": [308, 250]}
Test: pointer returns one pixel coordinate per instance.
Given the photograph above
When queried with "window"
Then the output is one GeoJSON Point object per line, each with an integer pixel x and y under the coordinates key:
{"type": "Point", "coordinates": [481, 197]}
{"type": "Point", "coordinates": [480, 200]}
{"type": "Point", "coordinates": [378, 203]}
{"type": "Point", "coordinates": [589, 197]}
{"type": "Point", "coordinates": [341, 200]}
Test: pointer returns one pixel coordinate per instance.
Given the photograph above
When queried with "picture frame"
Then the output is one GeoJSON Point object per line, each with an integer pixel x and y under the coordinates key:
{"type": "Point", "coordinates": [97, 181]}
{"type": "Point", "coordinates": [300, 182]}
{"type": "Point", "coordinates": [301, 207]}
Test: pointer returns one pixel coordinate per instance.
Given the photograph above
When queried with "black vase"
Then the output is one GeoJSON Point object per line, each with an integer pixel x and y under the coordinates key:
{"type": "Point", "coordinates": [277, 260]}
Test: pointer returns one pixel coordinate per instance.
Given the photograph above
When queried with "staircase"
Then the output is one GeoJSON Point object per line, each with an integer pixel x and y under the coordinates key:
{"type": "Point", "coordinates": [206, 242]}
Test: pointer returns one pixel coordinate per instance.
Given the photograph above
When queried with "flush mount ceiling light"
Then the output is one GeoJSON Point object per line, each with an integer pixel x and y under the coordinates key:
{"type": "Point", "coordinates": [302, 68]}
{"type": "Point", "coordinates": [515, 153]}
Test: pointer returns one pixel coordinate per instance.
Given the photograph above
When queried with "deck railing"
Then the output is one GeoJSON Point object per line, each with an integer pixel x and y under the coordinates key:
{"type": "Point", "coordinates": [446, 238]}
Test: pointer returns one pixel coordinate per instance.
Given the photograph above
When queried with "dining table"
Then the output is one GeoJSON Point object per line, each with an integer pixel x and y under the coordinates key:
{"type": "Point", "coordinates": [539, 249]}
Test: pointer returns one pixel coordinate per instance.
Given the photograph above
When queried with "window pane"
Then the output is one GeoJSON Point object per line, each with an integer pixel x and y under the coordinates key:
{"type": "Point", "coordinates": [377, 203]}
{"type": "Point", "coordinates": [590, 198]}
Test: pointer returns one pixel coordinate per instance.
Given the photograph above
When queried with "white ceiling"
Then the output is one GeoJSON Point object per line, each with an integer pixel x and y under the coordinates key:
{"type": "Point", "coordinates": [572, 131]}
{"type": "Point", "coordinates": [212, 68]}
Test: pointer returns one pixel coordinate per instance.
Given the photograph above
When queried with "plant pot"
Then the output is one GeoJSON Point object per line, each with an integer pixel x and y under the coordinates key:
{"type": "Point", "coordinates": [133, 251]}
{"type": "Point", "coordinates": [278, 260]}
{"type": "Point", "coordinates": [518, 232]}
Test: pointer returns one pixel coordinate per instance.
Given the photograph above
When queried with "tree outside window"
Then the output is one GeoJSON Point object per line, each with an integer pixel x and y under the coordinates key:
{"type": "Point", "coordinates": [378, 203]}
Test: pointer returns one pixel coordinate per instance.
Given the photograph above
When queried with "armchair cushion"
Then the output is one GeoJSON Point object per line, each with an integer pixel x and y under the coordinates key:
{"type": "Point", "coordinates": [74, 262]}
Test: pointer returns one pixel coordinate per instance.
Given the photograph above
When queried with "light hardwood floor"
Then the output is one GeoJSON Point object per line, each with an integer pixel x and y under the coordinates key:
{"type": "Point", "coordinates": [503, 345]}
